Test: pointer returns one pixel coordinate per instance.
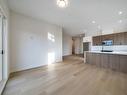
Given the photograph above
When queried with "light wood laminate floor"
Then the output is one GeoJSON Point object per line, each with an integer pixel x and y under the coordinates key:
{"type": "Point", "coordinates": [71, 77]}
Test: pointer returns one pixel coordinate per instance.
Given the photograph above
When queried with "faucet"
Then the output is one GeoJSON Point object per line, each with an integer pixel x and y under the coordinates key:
{"type": "Point", "coordinates": [103, 43]}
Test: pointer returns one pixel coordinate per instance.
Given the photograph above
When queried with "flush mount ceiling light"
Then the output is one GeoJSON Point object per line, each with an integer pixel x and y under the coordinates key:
{"type": "Point", "coordinates": [120, 21]}
{"type": "Point", "coordinates": [120, 12]}
{"type": "Point", "coordinates": [62, 3]}
{"type": "Point", "coordinates": [99, 27]}
{"type": "Point", "coordinates": [93, 22]}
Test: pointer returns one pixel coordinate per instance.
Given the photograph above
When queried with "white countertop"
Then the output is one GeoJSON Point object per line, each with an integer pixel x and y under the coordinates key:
{"type": "Point", "coordinates": [115, 52]}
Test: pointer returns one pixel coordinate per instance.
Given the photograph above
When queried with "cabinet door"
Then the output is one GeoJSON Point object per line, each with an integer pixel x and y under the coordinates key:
{"type": "Point", "coordinates": [94, 58]}
{"type": "Point", "coordinates": [125, 38]}
{"type": "Point", "coordinates": [97, 40]}
{"type": "Point", "coordinates": [91, 58]}
{"type": "Point", "coordinates": [114, 62]}
{"type": "Point", "coordinates": [119, 39]}
{"type": "Point", "coordinates": [88, 58]}
{"type": "Point", "coordinates": [108, 37]}
{"type": "Point", "coordinates": [123, 64]}
{"type": "Point", "coordinates": [104, 61]}
{"type": "Point", "coordinates": [98, 60]}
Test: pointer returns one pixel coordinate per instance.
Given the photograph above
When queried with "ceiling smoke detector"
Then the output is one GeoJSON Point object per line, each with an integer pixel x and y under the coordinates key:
{"type": "Point", "coordinates": [62, 3]}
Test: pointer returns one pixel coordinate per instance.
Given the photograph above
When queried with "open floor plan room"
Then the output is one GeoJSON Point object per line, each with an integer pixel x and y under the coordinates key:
{"type": "Point", "coordinates": [63, 47]}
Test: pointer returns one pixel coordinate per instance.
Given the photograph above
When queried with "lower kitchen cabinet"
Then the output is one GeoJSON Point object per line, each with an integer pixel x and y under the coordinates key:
{"type": "Point", "coordinates": [123, 64]}
{"type": "Point", "coordinates": [104, 60]}
{"type": "Point", "coordinates": [97, 60]}
{"type": "Point", "coordinates": [114, 62]}
{"type": "Point", "coordinates": [89, 58]}
{"type": "Point", "coordinates": [93, 58]}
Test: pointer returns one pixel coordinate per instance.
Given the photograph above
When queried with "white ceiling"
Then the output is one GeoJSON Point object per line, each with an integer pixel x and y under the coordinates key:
{"type": "Point", "coordinates": [78, 16]}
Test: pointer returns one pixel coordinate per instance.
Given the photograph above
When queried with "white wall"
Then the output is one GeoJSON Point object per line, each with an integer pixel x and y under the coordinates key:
{"type": "Point", "coordinates": [4, 7]}
{"type": "Point", "coordinates": [67, 44]}
{"type": "Point", "coordinates": [106, 30]}
{"type": "Point", "coordinates": [30, 46]}
{"type": "Point", "coordinates": [5, 10]}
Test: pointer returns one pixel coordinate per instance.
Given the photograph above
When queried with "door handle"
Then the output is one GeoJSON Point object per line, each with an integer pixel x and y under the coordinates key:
{"type": "Point", "coordinates": [2, 52]}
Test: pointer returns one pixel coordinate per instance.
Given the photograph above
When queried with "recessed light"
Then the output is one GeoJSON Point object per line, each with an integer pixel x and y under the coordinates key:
{"type": "Point", "coordinates": [120, 12]}
{"type": "Point", "coordinates": [93, 22]}
{"type": "Point", "coordinates": [120, 21]}
{"type": "Point", "coordinates": [99, 27]}
{"type": "Point", "coordinates": [85, 30]}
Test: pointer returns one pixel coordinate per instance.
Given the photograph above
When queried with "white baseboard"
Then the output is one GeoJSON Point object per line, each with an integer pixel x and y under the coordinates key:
{"type": "Point", "coordinates": [2, 85]}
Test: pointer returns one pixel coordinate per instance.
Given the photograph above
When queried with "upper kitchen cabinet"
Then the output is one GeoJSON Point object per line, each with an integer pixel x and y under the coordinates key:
{"type": "Point", "coordinates": [119, 39]}
{"type": "Point", "coordinates": [96, 40]}
{"type": "Point", "coordinates": [125, 38]}
{"type": "Point", "coordinates": [108, 37]}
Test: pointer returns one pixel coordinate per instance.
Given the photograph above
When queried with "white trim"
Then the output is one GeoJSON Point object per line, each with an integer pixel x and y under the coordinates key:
{"type": "Point", "coordinates": [2, 12]}
{"type": "Point", "coordinates": [2, 86]}
{"type": "Point", "coordinates": [5, 72]}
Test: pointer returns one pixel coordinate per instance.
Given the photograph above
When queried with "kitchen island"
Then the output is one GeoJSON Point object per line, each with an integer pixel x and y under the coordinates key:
{"type": "Point", "coordinates": [113, 60]}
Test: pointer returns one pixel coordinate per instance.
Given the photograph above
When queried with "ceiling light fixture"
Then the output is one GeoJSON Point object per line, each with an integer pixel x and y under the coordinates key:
{"type": "Point", "coordinates": [99, 27]}
{"type": "Point", "coordinates": [93, 22]}
{"type": "Point", "coordinates": [120, 21]}
{"type": "Point", "coordinates": [62, 3]}
{"type": "Point", "coordinates": [120, 12]}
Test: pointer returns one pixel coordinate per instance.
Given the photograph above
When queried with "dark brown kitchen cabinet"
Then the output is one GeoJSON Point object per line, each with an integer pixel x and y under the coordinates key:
{"type": "Point", "coordinates": [114, 62]}
{"type": "Point", "coordinates": [104, 60]}
{"type": "Point", "coordinates": [123, 64]}
{"type": "Point", "coordinates": [125, 38]}
{"type": "Point", "coordinates": [108, 37]}
{"type": "Point", "coordinates": [96, 40]}
{"type": "Point", "coordinates": [119, 39]}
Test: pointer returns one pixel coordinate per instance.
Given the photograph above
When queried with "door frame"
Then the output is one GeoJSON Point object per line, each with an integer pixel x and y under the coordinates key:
{"type": "Point", "coordinates": [5, 41]}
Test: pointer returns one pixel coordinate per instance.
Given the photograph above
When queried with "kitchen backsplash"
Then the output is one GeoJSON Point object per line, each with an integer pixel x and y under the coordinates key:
{"type": "Point", "coordinates": [114, 48]}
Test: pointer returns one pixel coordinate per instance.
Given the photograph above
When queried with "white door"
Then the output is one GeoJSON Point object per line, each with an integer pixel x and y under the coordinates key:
{"type": "Point", "coordinates": [1, 47]}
